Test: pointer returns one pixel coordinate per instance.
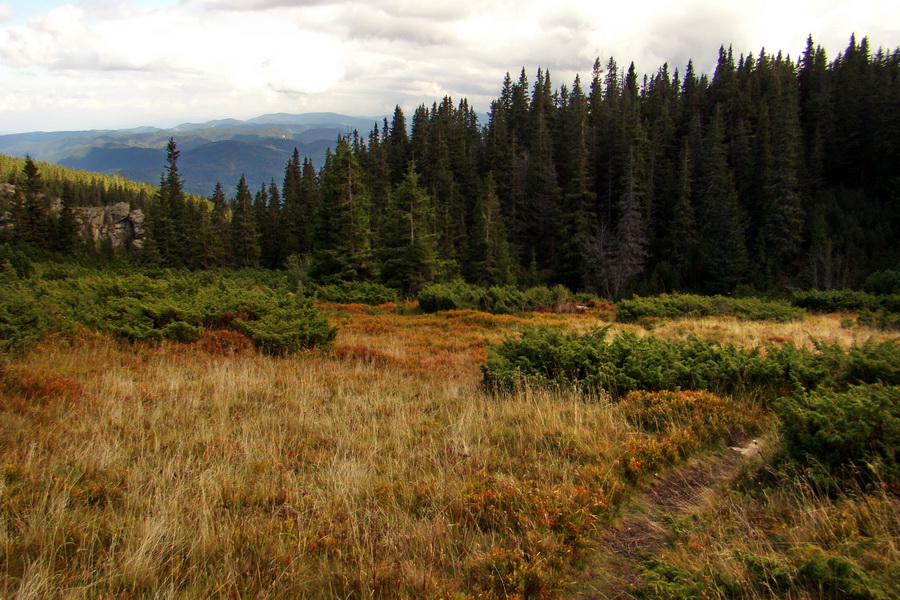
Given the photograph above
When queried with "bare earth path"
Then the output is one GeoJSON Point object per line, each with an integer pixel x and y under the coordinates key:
{"type": "Point", "coordinates": [642, 529]}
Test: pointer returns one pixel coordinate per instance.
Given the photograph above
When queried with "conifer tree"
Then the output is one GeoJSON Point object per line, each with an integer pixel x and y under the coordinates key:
{"type": "Point", "coordinates": [37, 225]}
{"type": "Point", "coordinates": [409, 258]}
{"type": "Point", "coordinates": [168, 225]}
{"type": "Point", "coordinates": [397, 147]}
{"type": "Point", "coordinates": [816, 112]}
{"type": "Point", "coordinates": [489, 261]}
{"type": "Point", "coordinates": [214, 228]}
{"type": "Point", "coordinates": [344, 237]}
{"type": "Point", "coordinates": [631, 238]}
{"type": "Point", "coordinates": [721, 222]}
{"type": "Point", "coordinates": [66, 234]}
{"type": "Point", "coordinates": [611, 150]}
{"type": "Point", "coordinates": [681, 234]}
{"type": "Point", "coordinates": [373, 162]}
{"type": "Point", "coordinates": [781, 226]}
{"type": "Point", "coordinates": [309, 201]}
{"type": "Point", "coordinates": [245, 249]}
{"type": "Point", "coordinates": [295, 221]}
{"type": "Point", "coordinates": [541, 206]}
{"type": "Point", "coordinates": [194, 217]}
{"type": "Point", "coordinates": [275, 220]}
{"type": "Point", "coordinates": [577, 216]}
{"type": "Point", "coordinates": [266, 213]}
{"type": "Point", "coordinates": [659, 107]}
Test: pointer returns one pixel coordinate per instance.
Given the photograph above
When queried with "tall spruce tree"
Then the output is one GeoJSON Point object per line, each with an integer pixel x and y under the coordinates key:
{"type": "Point", "coordinates": [409, 257]}
{"type": "Point", "coordinates": [540, 243]}
{"type": "Point", "coordinates": [577, 216]}
{"type": "Point", "coordinates": [680, 241]}
{"type": "Point", "coordinates": [295, 221]}
{"type": "Point", "coordinates": [36, 221]}
{"type": "Point", "coordinates": [344, 236]}
{"type": "Point", "coordinates": [245, 248]}
{"type": "Point", "coordinates": [781, 230]}
{"type": "Point", "coordinates": [721, 221]}
{"type": "Point", "coordinates": [66, 236]}
{"type": "Point", "coordinates": [168, 224]}
{"type": "Point", "coordinates": [214, 231]}
{"type": "Point", "coordinates": [490, 260]}
{"type": "Point", "coordinates": [397, 147]}
{"type": "Point", "coordinates": [631, 242]}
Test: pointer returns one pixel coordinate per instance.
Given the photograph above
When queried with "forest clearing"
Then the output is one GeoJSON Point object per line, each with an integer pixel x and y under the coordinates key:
{"type": "Point", "coordinates": [383, 466]}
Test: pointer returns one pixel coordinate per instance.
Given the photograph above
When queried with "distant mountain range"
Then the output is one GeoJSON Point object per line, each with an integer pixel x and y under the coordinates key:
{"type": "Point", "coordinates": [216, 151]}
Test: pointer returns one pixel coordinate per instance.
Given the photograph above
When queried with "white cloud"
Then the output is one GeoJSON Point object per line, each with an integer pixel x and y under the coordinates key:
{"type": "Point", "coordinates": [163, 60]}
{"type": "Point", "coordinates": [7, 12]}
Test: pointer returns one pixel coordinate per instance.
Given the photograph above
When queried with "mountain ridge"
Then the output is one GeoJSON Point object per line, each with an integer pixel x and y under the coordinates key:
{"type": "Point", "coordinates": [217, 151]}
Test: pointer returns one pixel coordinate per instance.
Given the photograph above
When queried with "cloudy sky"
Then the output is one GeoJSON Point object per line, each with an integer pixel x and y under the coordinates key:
{"type": "Point", "coordinates": [104, 64]}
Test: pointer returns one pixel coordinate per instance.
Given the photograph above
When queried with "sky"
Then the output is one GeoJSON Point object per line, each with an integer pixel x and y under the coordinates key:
{"type": "Point", "coordinates": [111, 64]}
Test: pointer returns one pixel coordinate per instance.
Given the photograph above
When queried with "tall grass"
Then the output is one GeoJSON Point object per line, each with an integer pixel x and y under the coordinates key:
{"type": "Point", "coordinates": [376, 468]}
{"type": "Point", "coordinates": [781, 541]}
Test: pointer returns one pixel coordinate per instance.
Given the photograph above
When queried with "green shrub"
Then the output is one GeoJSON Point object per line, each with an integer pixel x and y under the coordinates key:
{"type": "Point", "coordinates": [458, 295]}
{"type": "Point", "coordinates": [664, 580]}
{"type": "Point", "coordinates": [627, 363]}
{"type": "Point", "coordinates": [820, 575]}
{"type": "Point", "coordinates": [673, 306]}
{"type": "Point", "coordinates": [164, 304]}
{"type": "Point", "coordinates": [453, 295]}
{"type": "Point", "coordinates": [873, 362]}
{"type": "Point", "coordinates": [17, 260]}
{"type": "Point", "coordinates": [833, 576]}
{"type": "Point", "coordinates": [883, 283]}
{"type": "Point", "coordinates": [845, 437]}
{"type": "Point", "coordinates": [23, 319]}
{"type": "Point", "coordinates": [880, 319]}
{"type": "Point", "coordinates": [544, 298]}
{"type": "Point", "coordinates": [835, 300]}
{"type": "Point", "coordinates": [502, 300]}
{"type": "Point", "coordinates": [547, 356]}
{"type": "Point", "coordinates": [286, 330]}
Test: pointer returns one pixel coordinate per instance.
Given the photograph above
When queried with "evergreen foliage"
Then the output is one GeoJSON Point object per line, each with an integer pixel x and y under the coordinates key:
{"type": "Point", "coordinates": [343, 240]}
{"type": "Point", "coordinates": [245, 248]}
{"type": "Point", "coordinates": [163, 304]}
{"type": "Point", "coordinates": [629, 362]}
{"type": "Point", "coordinates": [771, 174]}
{"type": "Point", "coordinates": [409, 258]}
{"type": "Point", "coordinates": [845, 438]}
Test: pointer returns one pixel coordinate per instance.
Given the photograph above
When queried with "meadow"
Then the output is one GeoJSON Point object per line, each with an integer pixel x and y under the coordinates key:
{"type": "Point", "coordinates": [381, 465]}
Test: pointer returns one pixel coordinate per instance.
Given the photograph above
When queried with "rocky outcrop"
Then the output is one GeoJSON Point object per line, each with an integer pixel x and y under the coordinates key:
{"type": "Point", "coordinates": [118, 224]}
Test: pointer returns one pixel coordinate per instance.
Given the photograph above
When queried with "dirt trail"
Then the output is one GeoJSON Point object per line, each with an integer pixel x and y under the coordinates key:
{"type": "Point", "coordinates": [642, 529]}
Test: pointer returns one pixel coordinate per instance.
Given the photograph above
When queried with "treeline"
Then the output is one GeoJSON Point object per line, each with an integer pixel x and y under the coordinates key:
{"type": "Point", "coordinates": [771, 174]}
{"type": "Point", "coordinates": [86, 189]}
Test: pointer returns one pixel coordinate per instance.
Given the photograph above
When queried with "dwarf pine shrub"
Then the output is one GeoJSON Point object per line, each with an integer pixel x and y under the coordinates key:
{"type": "Point", "coordinates": [628, 362]}
{"type": "Point", "coordinates": [675, 306]}
{"type": "Point", "coordinates": [169, 305]}
{"type": "Point", "coordinates": [846, 437]}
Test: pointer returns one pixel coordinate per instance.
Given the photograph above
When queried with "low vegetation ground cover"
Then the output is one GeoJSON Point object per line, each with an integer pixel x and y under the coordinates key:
{"type": "Point", "coordinates": [673, 306]}
{"type": "Point", "coordinates": [376, 466]}
{"type": "Point", "coordinates": [156, 305]}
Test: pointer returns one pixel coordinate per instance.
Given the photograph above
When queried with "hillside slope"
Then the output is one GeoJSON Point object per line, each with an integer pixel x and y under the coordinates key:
{"type": "Point", "coordinates": [215, 151]}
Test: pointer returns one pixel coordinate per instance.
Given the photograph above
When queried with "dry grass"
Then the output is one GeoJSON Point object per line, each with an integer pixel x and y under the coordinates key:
{"type": "Point", "coordinates": [782, 541]}
{"type": "Point", "coordinates": [376, 469]}
{"type": "Point", "coordinates": [825, 328]}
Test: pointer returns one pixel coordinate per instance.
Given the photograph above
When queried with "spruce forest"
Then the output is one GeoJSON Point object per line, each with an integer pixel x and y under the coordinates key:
{"type": "Point", "coordinates": [771, 174]}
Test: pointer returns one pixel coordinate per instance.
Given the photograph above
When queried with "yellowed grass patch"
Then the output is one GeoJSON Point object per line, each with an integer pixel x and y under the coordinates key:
{"type": "Point", "coordinates": [378, 468]}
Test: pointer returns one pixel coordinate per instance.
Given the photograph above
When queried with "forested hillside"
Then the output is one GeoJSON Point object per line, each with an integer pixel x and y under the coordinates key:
{"type": "Point", "coordinates": [772, 173]}
{"type": "Point", "coordinates": [88, 189]}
